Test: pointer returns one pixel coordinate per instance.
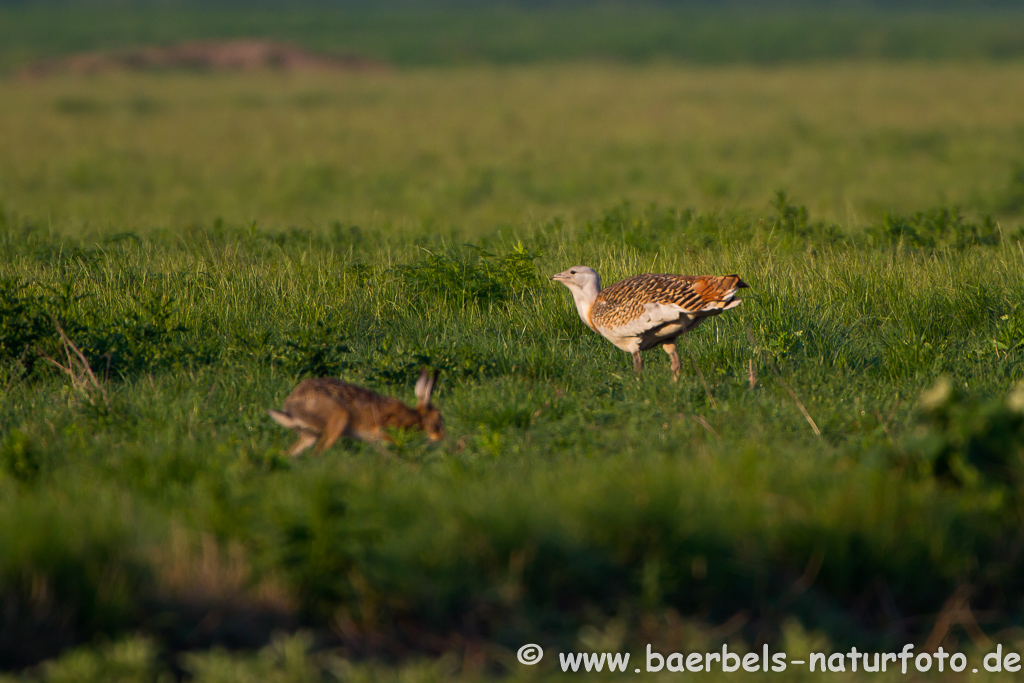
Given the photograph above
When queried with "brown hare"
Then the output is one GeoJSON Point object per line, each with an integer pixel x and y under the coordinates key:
{"type": "Point", "coordinates": [320, 410]}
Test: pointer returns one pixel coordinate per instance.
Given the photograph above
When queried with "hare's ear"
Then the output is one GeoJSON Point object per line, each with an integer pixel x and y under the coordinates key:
{"type": "Point", "coordinates": [425, 387]}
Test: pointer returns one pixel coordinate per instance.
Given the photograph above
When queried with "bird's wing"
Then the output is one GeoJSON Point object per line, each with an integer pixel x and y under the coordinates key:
{"type": "Point", "coordinates": [650, 317]}
{"type": "Point", "coordinates": [645, 302]}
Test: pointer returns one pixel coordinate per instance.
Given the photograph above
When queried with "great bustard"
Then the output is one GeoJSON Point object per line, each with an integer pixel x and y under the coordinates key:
{"type": "Point", "coordinates": [643, 311]}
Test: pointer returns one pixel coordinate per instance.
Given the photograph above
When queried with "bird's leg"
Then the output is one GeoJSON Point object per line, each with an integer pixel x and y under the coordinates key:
{"type": "Point", "coordinates": [638, 363]}
{"type": "Point", "coordinates": [670, 349]}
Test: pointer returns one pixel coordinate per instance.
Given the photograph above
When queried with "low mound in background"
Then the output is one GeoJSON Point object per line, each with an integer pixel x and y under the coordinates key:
{"type": "Point", "coordinates": [226, 55]}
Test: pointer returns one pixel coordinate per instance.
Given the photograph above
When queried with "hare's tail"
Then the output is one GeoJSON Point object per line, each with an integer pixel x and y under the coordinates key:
{"type": "Point", "coordinates": [286, 420]}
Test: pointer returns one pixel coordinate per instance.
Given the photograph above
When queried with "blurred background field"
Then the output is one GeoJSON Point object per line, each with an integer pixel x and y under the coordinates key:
{"type": "Point", "coordinates": [471, 148]}
{"type": "Point", "coordinates": [839, 465]}
{"type": "Point", "coordinates": [447, 33]}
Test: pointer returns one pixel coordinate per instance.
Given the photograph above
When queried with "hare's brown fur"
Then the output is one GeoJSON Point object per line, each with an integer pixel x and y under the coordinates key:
{"type": "Point", "coordinates": [323, 409]}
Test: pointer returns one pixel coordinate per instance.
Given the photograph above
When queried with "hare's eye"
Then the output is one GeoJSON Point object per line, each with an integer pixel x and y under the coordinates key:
{"type": "Point", "coordinates": [572, 272]}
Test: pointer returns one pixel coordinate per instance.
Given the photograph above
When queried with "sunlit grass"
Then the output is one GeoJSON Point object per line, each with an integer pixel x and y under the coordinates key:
{"type": "Point", "coordinates": [207, 241]}
{"type": "Point", "coordinates": [565, 487]}
{"type": "Point", "coordinates": [469, 149]}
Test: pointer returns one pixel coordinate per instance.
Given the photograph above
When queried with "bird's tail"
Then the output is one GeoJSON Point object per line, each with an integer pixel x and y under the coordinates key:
{"type": "Point", "coordinates": [731, 283]}
{"type": "Point", "coordinates": [737, 282]}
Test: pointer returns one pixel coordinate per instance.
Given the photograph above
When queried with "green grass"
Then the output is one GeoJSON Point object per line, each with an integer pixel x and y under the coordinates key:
{"type": "Point", "coordinates": [417, 34]}
{"type": "Point", "coordinates": [566, 494]}
{"type": "Point", "coordinates": [463, 151]}
{"type": "Point", "coordinates": [153, 527]}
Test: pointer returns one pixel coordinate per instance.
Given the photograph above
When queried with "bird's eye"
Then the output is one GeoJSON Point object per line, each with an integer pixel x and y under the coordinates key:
{"type": "Point", "coordinates": [572, 272]}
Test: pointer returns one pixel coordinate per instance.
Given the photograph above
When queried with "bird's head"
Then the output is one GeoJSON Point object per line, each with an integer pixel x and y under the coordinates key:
{"type": "Point", "coordinates": [579, 278]}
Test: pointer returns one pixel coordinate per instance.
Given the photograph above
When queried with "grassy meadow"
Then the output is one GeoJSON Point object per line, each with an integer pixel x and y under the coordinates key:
{"type": "Point", "coordinates": [415, 33]}
{"type": "Point", "coordinates": [839, 464]}
{"type": "Point", "coordinates": [468, 150]}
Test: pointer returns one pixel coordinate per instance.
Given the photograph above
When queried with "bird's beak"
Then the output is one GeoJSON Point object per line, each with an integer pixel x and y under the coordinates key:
{"type": "Point", "coordinates": [558, 277]}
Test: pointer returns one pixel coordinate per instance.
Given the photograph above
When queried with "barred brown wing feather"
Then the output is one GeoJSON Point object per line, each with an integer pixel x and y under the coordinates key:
{"type": "Point", "coordinates": [645, 301]}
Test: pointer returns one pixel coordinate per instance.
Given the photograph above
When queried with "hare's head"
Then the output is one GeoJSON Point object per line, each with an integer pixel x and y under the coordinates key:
{"type": "Point", "coordinates": [430, 417]}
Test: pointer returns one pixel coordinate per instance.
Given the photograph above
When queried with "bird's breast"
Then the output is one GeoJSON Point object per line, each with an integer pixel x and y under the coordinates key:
{"type": "Point", "coordinates": [630, 344]}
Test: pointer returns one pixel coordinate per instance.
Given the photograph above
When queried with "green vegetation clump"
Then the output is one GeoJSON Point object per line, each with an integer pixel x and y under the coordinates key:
{"type": "Point", "coordinates": [969, 442]}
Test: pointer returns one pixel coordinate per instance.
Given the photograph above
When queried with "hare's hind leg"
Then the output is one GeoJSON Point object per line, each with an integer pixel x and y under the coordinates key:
{"type": "Point", "coordinates": [335, 427]}
{"type": "Point", "coordinates": [306, 439]}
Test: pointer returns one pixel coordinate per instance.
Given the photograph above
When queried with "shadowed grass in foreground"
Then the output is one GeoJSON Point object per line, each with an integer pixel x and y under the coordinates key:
{"type": "Point", "coordinates": [568, 497]}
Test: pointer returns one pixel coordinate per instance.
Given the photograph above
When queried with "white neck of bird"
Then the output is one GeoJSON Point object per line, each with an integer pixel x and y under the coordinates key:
{"type": "Point", "coordinates": [584, 298]}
